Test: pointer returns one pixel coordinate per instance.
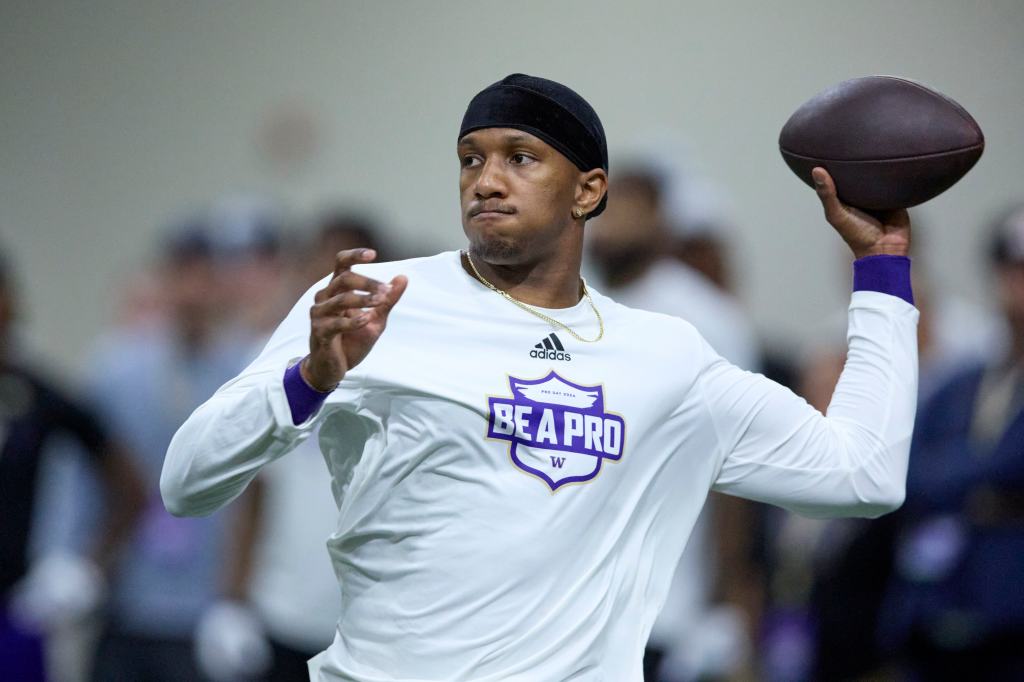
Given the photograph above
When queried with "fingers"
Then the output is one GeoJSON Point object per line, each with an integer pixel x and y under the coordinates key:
{"type": "Point", "coordinates": [346, 259]}
{"type": "Point", "coordinates": [826, 190]}
{"type": "Point", "coordinates": [351, 300]}
{"type": "Point", "coordinates": [398, 285]}
{"type": "Point", "coordinates": [345, 279]}
{"type": "Point", "coordinates": [347, 312]}
{"type": "Point", "coordinates": [353, 304]}
{"type": "Point", "coordinates": [379, 313]}
{"type": "Point", "coordinates": [336, 305]}
{"type": "Point", "coordinates": [326, 325]}
{"type": "Point", "coordinates": [897, 219]}
{"type": "Point", "coordinates": [351, 281]}
{"type": "Point", "coordinates": [327, 328]}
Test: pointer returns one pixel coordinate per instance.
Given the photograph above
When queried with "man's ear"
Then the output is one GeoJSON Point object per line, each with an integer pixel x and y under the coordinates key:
{"type": "Point", "coordinates": [591, 189]}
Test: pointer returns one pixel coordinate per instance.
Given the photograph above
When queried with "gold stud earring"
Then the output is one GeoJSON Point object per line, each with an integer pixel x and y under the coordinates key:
{"type": "Point", "coordinates": [577, 213]}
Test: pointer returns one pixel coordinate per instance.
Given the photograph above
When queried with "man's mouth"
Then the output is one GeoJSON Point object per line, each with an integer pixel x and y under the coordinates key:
{"type": "Point", "coordinates": [490, 211]}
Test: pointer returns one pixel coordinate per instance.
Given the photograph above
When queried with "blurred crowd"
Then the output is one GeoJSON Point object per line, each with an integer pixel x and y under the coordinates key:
{"type": "Point", "coordinates": [100, 583]}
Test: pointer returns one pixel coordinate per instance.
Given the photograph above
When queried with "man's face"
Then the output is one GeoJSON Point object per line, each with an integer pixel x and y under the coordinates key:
{"type": "Point", "coordinates": [517, 194]}
{"type": "Point", "coordinates": [195, 292]}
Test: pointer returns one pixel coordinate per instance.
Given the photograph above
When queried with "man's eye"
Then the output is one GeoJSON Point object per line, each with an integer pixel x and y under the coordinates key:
{"type": "Point", "coordinates": [520, 159]}
{"type": "Point", "coordinates": [469, 161]}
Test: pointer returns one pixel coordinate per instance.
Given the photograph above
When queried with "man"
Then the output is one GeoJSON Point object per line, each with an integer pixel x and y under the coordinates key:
{"type": "Point", "coordinates": [282, 595]}
{"type": "Point", "coordinates": [249, 232]}
{"type": "Point", "coordinates": [954, 608]}
{"type": "Point", "coordinates": [339, 230]}
{"type": "Point", "coordinates": [145, 382]}
{"type": "Point", "coordinates": [59, 588]}
{"type": "Point", "coordinates": [519, 459]}
{"type": "Point", "coordinates": [631, 245]}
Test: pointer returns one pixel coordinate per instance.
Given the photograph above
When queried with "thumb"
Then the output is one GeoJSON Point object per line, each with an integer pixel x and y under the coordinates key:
{"type": "Point", "coordinates": [398, 285]}
{"type": "Point", "coordinates": [826, 190]}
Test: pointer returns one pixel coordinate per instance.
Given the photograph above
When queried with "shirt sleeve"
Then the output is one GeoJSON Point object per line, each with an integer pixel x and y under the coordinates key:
{"type": "Point", "coordinates": [775, 448]}
{"type": "Point", "coordinates": [247, 424]}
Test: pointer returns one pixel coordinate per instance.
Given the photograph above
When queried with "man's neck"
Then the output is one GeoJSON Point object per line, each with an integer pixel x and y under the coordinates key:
{"type": "Point", "coordinates": [551, 283]}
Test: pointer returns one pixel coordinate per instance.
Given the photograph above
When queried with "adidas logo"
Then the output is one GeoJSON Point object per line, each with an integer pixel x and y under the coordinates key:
{"type": "Point", "coordinates": [550, 348]}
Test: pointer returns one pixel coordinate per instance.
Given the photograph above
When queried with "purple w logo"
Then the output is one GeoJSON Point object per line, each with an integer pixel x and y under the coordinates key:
{"type": "Point", "coordinates": [557, 431]}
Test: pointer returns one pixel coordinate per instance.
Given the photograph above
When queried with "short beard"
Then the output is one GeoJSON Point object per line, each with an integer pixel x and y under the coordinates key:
{"type": "Point", "coordinates": [497, 251]}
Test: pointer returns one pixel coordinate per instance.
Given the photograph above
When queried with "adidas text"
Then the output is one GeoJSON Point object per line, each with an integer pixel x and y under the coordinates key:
{"type": "Point", "coordinates": [546, 354]}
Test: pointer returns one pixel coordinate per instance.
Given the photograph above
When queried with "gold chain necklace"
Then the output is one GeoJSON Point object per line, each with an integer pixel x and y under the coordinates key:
{"type": "Point", "coordinates": [530, 309]}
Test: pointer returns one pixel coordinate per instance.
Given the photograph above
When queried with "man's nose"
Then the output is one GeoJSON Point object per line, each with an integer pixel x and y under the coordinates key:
{"type": "Point", "coordinates": [491, 180]}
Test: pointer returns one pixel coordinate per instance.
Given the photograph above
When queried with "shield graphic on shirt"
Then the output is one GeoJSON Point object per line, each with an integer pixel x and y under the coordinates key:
{"type": "Point", "coordinates": [557, 430]}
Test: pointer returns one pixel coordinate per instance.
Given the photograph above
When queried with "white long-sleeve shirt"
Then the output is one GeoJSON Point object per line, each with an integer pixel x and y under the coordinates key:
{"type": "Point", "coordinates": [685, 629]}
{"type": "Point", "coordinates": [511, 511]}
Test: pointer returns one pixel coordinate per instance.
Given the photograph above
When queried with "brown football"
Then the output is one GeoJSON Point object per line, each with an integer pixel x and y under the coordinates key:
{"type": "Point", "coordinates": [888, 142]}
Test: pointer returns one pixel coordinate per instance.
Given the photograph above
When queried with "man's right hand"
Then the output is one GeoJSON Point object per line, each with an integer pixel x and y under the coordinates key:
{"type": "Point", "coordinates": [886, 233]}
{"type": "Point", "coordinates": [341, 331]}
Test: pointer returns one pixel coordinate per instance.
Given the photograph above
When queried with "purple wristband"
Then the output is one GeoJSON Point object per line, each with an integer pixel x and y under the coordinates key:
{"type": "Point", "coordinates": [303, 399]}
{"type": "Point", "coordinates": [885, 274]}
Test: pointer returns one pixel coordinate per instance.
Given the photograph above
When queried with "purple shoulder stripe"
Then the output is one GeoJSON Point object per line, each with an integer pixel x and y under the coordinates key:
{"type": "Point", "coordinates": [303, 399]}
{"type": "Point", "coordinates": [885, 274]}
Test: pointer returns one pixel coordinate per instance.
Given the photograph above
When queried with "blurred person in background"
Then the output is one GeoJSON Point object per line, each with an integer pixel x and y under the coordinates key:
{"type": "Point", "coordinates": [633, 247]}
{"type": "Point", "coordinates": [705, 248]}
{"type": "Point", "coordinates": [39, 595]}
{"type": "Point", "coordinates": [249, 235]}
{"type": "Point", "coordinates": [822, 577]}
{"type": "Point", "coordinates": [856, 559]}
{"type": "Point", "coordinates": [696, 209]}
{"type": "Point", "coordinates": [144, 380]}
{"type": "Point", "coordinates": [828, 578]}
{"type": "Point", "coordinates": [337, 231]}
{"type": "Point", "coordinates": [700, 634]}
{"type": "Point", "coordinates": [281, 600]}
{"type": "Point", "coordinates": [955, 607]}
{"type": "Point", "coordinates": [140, 301]}
{"type": "Point", "coordinates": [953, 331]}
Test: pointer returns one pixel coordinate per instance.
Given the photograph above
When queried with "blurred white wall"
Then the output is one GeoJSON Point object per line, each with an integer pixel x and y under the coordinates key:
{"type": "Point", "coordinates": [117, 115]}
